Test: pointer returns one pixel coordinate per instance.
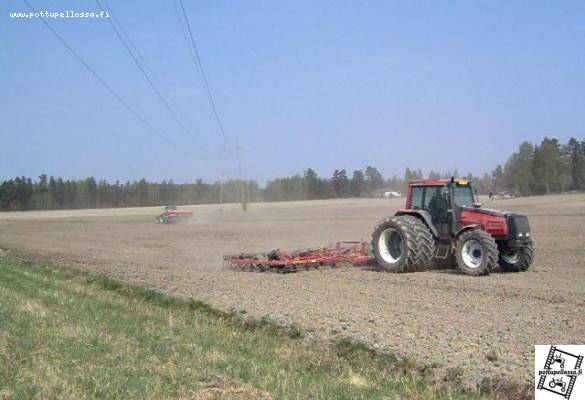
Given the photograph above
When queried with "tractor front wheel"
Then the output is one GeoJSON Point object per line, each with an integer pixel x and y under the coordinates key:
{"type": "Point", "coordinates": [477, 253]}
{"type": "Point", "coordinates": [516, 259]}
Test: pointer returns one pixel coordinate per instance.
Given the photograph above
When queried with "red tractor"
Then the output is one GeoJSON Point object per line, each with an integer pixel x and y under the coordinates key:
{"type": "Point", "coordinates": [172, 214]}
{"type": "Point", "coordinates": [444, 221]}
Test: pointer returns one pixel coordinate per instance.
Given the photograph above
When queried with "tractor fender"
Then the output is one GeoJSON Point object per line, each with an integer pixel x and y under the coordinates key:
{"type": "Point", "coordinates": [468, 228]}
{"type": "Point", "coordinates": [425, 216]}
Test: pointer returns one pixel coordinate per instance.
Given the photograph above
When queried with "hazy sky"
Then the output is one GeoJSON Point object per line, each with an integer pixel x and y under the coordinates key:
{"type": "Point", "coordinates": [322, 84]}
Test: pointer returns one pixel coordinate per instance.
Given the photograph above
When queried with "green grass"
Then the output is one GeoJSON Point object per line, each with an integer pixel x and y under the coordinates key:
{"type": "Point", "coordinates": [65, 333]}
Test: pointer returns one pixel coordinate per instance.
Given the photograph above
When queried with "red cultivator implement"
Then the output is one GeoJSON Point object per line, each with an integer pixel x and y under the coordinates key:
{"type": "Point", "coordinates": [355, 253]}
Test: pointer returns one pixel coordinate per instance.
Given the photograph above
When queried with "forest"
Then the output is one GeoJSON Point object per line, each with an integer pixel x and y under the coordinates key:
{"type": "Point", "coordinates": [546, 167]}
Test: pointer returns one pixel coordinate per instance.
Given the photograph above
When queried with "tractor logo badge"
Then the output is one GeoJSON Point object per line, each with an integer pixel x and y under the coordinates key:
{"type": "Point", "coordinates": [558, 372]}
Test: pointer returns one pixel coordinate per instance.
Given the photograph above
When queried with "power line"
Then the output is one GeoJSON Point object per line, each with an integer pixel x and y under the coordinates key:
{"type": "Point", "coordinates": [198, 62]}
{"type": "Point", "coordinates": [133, 45]}
{"type": "Point", "coordinates": [186, 36]}
{"type": "Point", "coordinates": [138, 53]}
{"type": "Point", "coordinates": [105, 84]}
{"type": "Point", "coordinates": [147, 77]}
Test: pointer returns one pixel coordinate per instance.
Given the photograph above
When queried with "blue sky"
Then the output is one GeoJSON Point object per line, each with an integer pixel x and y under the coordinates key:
{"type": "Point", "coordinates": [322, 84]}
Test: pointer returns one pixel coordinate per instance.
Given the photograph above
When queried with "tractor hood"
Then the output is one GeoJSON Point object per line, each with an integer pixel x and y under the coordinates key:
{"type": "Point", "coordinates": [487, 211]}
{"type": "Point", "coordinates": [498, 223]}
{"type": "Point", "coordinates": [495, 213]}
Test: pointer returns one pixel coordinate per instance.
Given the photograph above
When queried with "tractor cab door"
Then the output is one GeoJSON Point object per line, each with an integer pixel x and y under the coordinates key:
{"type": "Point", "coordinates": [436, 202]}
{"type": "Point", "coordinates": [461, 195]}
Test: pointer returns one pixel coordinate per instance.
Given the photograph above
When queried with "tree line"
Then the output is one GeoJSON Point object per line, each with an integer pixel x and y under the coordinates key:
{"type": "Point", "coordinates": [547, 167]}
{"type": "Point", "coordinates": [49, 193]}
{"type": "Point", "coordinates": [534, 169]}
{"type": "Point", "coordinates": [363, 183]}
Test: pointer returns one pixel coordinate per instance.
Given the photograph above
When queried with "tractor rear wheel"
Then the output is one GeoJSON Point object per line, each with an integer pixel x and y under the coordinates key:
{"type": "Point", "coordinates": [402, 244]}
{"type": "Point", "coordinates": [477, 252]}
{"type": "Point", "coordinates": [516, 259]}
{"type": "Point", "coordinates": [425, 243]}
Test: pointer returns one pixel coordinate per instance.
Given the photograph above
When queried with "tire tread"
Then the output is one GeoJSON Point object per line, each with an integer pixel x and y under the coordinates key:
{"type": "Point", "coordinates": [419, 243]}
{"type": "Point", "coordinates": [526, 260]}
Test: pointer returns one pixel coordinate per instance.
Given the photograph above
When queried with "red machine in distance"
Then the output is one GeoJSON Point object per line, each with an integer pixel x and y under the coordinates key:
{"type": "Point", "coordinates": [172, 214]}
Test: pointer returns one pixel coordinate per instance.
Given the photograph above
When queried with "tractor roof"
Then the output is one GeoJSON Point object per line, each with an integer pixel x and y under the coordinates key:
{"type": "Point", "coordinates": [438, 182]}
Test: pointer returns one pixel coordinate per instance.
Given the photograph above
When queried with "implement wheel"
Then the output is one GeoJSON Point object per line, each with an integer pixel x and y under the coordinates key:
{"type": "Point", "coordinates": [477, 252]}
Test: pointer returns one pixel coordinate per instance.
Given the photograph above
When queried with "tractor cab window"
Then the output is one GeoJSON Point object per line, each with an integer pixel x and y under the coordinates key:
{"type": "Point", "coordinates": [416, 199]}
{"type": "Point", "coordinates": [431, 196]}
{"type": "Point", "coordinates": [435, 202]}
{"type": "Point", "coordinates": [463, 196]}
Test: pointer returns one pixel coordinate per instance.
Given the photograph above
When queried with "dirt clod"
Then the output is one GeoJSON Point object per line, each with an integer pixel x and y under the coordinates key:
{"type": "Point", "coordinates": [492, 355]}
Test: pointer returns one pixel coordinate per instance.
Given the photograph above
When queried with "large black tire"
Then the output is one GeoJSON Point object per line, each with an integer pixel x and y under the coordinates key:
{"type": "Point", "coordinates": [403, 244]}
{"type": "Point", "coordinates": [518, 259]}
{"type": "Point", "coordinates": [425, 241]}
{"type": "Point", "coordinates": [477, 252]}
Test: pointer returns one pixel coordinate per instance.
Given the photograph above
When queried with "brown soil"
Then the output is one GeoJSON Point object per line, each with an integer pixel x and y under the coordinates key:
{"type": "Point", "coordinates": [483, 326]}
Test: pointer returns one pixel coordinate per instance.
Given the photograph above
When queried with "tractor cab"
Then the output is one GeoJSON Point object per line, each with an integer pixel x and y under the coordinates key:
{"type": "Point", "coordinates": [443, 200]}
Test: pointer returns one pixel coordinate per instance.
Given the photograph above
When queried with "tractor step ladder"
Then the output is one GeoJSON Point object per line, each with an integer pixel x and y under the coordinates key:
{"type": "Point", "coordinates": [442, 251]}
